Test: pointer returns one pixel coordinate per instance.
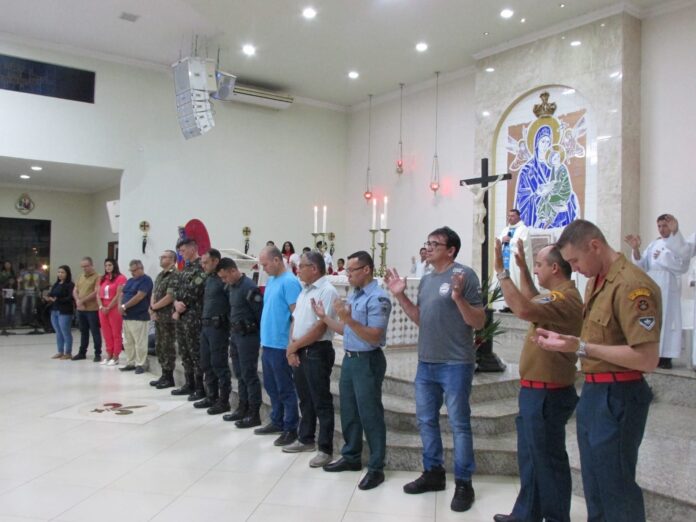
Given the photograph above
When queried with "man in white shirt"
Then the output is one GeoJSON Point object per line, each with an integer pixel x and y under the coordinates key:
{"type": "Point", "coordinates": [420, 268]}
{"type": "Point", "coordinates": [515, 230]}
{"type": "Point", "coordinates": [662, 262]}
{"type": "Point", "coordinates": [312, 356]}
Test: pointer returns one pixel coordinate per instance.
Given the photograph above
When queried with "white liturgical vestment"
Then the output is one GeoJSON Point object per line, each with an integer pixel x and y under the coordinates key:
{"type": "Point", "coordinates": [685, 249]}
{"type": "Point", "coordinates": [664, 264]}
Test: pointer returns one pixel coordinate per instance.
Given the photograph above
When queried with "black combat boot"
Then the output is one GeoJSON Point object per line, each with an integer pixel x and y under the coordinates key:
{"type": "Point", "coordinates": [206, 402]}
{"type": "Point", "coordinates": [252, 420]}
{"type": "Point", "coordinates": [430, 480]}
{"type": "Point", "coordinates": [157, 381]}
{"type": "Point", "coordinates": [199, 392]}
{"type": "Point", "coordinates": [166, 381]}
{"type": "Point", "coordinates": [187, 388]}
{"type": "Point", "coordinates": [238, 414]}
{"type": "Point", "coordinates": [221, 406]}
{"type": "Point", "coordinates": [463, 495]}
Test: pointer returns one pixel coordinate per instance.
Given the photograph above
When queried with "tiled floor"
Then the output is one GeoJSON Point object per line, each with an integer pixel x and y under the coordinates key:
{"type": "Point", "coordinates": [181, 465]}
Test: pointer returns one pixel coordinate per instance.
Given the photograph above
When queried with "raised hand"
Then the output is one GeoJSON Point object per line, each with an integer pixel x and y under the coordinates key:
{"type": "Point", "coordinates": [555, 342]}
{"type": "Point", "coordinates": [498, 261]}
{"type": "Point", "coordinates": [318, 308]}
{"type": "Point", "coordinates": [343, 310]}
{"type": "Point", "coordinates": [457, 285]}
{"type": "Point", "coordinates": [521, 256]}
{"type": "Point", "coordinates": [394, 282]}
{"type": "Point", "coordinates": [633, 241]}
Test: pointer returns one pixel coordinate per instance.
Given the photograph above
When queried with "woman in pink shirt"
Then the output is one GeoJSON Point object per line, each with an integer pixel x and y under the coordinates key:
{"type": "Point", "coordinates": [110, 320]}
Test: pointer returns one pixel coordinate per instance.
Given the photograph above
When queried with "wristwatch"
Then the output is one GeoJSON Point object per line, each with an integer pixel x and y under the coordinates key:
{"type": "Point", "coordinates": [505, 274]}
{"type": "Point", "coordinates": [581, 352]}
{"type": "Point", "coordinates": [123, 307]}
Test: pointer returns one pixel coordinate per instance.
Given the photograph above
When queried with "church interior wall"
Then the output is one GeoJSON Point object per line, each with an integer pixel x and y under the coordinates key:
{"type": "Point", "coordinates": [668, 118]}
{"type": "Point", "coordinates": [101, 233]}
{"type": "Point", "coordinates": [414, 210]}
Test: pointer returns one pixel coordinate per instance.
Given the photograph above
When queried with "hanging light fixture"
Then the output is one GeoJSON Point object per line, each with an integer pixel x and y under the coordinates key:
{"type": "Point", "coordinates": [368, 182]}
{"type": "Point", "coordinates": [400, 159]}
{"type": "Point", "coordinates": [435, 171]}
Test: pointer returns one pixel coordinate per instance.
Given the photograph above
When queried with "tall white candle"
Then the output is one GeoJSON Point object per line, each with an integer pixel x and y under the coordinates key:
{"type": "Point", "coordinates": [381, 221]}
{"type": "Point", "coordinates": [323, 227]}
{"type": "Point", "coordinates": [385, 211]}
{"type": "Point", "coordinates": [316, 218]}
{"type": "Point", "coordinates": [374, 214]}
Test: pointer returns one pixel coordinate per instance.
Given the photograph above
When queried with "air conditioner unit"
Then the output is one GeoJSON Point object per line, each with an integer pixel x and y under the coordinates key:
{"type": "Point", "coordinates": [248, 94]}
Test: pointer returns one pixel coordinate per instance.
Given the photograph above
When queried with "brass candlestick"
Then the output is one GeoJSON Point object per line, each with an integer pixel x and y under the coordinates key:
{"type": "Point", "coordinates": [373, 245]}
{"type": "Point", "coordinates": [383, 252]}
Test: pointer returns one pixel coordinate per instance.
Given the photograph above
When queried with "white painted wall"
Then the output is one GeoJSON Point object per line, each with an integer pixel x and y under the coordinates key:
{"type": "Point", "coordinates": [101, 233]}
{"type": "Point", "coordinates": [413, 209]}
{"type": "Point", "coordinates": [261, 168]}
{"type": "Point", "coordinates": [668, 119]}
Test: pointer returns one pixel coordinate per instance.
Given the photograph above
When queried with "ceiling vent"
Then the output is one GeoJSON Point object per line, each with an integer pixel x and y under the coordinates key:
{"type": "Point", "coordinates": [129, 17]}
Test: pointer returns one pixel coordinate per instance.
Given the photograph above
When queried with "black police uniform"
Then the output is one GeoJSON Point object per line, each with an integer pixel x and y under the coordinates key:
{"type": "Point", "coordinates": [246, 304]}
{"type": "Point", "coordinates": [214, 340]}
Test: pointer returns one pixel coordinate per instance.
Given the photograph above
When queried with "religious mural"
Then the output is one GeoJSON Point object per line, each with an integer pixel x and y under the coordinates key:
{"type": "Point", "coordinates": [548, 159]}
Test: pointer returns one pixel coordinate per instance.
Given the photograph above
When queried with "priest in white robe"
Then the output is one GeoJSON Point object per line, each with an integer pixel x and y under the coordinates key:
{"type": "Point", "coordinates": [663, 262]}
{"type": "Point", "coordinates": [515, 231]}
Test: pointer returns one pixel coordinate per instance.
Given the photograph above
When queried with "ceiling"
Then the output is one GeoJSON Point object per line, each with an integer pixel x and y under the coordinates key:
{"type": "Point", "coordinates": [308, 58]}
{"type": "Point", "coordinates": [57, 176]}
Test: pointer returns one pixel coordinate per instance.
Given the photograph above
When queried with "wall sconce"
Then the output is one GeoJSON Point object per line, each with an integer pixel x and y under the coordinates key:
{"type": "Point", "coordinates": [144, 228]}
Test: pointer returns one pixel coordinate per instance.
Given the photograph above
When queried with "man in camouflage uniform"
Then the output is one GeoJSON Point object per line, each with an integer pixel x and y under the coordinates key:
{"type": "Point", "coordinates": [161, 309]}
{"type": "Point", "coordinates": [188, 307]}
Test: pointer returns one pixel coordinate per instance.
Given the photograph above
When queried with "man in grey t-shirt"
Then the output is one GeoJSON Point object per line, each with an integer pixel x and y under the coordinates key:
{"type": "Point", "coordinates": [449, 309]}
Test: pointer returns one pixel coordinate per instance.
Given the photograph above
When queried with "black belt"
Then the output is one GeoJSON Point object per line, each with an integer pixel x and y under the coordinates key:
{"type": "Point", "coordinates": [363, 353]}
{"type": "Point", "coordinates": [317, 344]}
{"type": "Point", "coordinates": [218, 321]}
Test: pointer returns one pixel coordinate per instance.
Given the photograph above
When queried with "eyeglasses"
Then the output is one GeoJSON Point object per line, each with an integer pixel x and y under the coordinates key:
{"type": "Point", "coordinates": [355, 269]}
{"type": "Point", "coordinates": [304, 265]}
{"type": "Point", "coordinates": [433, 244]}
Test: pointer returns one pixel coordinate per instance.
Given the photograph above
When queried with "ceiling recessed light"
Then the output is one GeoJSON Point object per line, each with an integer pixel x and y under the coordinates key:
{"type": "Point", "coordinates": [507, 13]}
{"type": "Point", "coordinates": [309, 13]}
{"type": "Point", "coordinates": [485, 34]}
{"type": "Point", "coordinates": [576, 43]}
{"type": "Point", "coordinates": [25, 176]}
{"type": "Point", "coordinates": [561, 6]}
{"type": "Point", "coordinates": [485, 113]}
{"type": "Point", "coordinates": [36, 168]}
{"type": "Point", "coordinates": [562, 37]}
{"type": "Point", "coordinates": [421, 47]}
{"type": "Point", "coordinates": [249, 50]}
{"type": "Point", "coordinates": [353, 75]}
{"type": "Point", "coordinates": [602, 25]}
{"type": "Point", "coordinates": [490, 69]}
{"type": "Point", "coordinates": [523, 20]}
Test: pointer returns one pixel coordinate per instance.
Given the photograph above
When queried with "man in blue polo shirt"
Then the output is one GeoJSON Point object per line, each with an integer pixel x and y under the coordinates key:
{"type": "Point", "coordinates": [134, 306]}
{"type": "Point", "coordinates": [282, 289]}
{"type": "Point", "coordinates": [363, 324]}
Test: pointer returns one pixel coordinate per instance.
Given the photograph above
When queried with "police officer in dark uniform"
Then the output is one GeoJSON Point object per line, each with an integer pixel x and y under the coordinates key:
{"type": "Point", "coordinates": [547, 384]}
{"type": "Point", "coordinates": [246, 304]}
{"type": "Point", "coordinates": [214, 338]}
{"type": "Point", "coordinates": [161, 308]}
{"type": "Point", "coordinates": [188, 291]}
{"type": "Point", "coordinates": [619, 342]}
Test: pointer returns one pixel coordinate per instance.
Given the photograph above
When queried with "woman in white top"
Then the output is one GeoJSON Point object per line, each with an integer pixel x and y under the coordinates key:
{"type": "Point", "coordinates": [290, 258]}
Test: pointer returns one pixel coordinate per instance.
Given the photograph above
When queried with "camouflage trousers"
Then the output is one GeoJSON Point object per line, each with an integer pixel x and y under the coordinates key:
{"type": "Point", "coordinates": [188, 338]}
{"type": "Point", "coordinates": [164, 344]}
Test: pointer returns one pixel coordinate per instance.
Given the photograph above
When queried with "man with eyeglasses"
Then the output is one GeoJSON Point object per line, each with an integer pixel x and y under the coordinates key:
{"type": "Point", "coordinates": [312, 356]}
{"type": "Point", "coordinates": [448, 310]}
{"type": "Point", "coordinates": [363, 324]}
{"type": "Point", "coordinates": [134, 303]}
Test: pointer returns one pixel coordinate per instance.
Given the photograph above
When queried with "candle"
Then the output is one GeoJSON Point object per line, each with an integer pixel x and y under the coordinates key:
{"type": "Point", "coordinates": [323, 227]}
{"type": "Point", "coordinates": [385, 212]}
{"type": "Point", "coordinates": [374, 214]}
{"type": "Point", "coordinates": [382, 221]}
{"type": "Point", "coordinates": [316, 212]}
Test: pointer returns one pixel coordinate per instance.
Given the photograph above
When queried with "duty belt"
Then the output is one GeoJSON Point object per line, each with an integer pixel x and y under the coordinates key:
{"type": "Point", "coordinates": [218, 321]}
{"type": "Point", "coordinates": [605, 377]}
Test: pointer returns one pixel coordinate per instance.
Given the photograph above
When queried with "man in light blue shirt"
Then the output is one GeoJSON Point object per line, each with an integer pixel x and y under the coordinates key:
{"type": "Point", "coordinates": [363, 323]}
{"type": "Point", "coordinates": [279, 299]}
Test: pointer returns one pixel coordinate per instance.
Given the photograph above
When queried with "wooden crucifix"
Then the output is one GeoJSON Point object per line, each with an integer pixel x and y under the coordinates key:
{"type": "Point", "coordinates": [486, 359]}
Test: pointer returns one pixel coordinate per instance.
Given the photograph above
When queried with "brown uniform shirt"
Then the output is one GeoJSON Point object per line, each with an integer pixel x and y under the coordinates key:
{"type": "Point", "coordinates": [626, 309]}
{"type": "Point", "coordinates": [85, 286]}
{"type": "Point", "coordinates": [559, 311]}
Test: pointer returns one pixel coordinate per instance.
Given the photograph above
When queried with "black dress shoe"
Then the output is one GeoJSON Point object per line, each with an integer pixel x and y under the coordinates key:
{"type": "Point", "coordinates": [205, 403]}
{"type": "Point", "coordinates": [236, 415]}
{"type": "Point", "coordinates": [79, 357]}
{"type": "Point", "coordinates": [218, 408]}
{"type": "Point", "coordinates": [286, 438]}
{"type": "Point", "coordinates": [505, 518]}
{"type": "Point", "coordinates": [129, 368]}
{"type": "Point", "coordinates": [249, 421]}
{"type": "Point", "coordinates": [139, 370]}
{"type": "Point", "coordinates": [371, 480]}
{"type": "Point", "coordinates": [268, 429]}
{"type": "Point", "coordinates": [97, 358]}
{"type": "Point", "coordinates": [463, 497]}
{"type": "Point", "coordinates": [344, 465]}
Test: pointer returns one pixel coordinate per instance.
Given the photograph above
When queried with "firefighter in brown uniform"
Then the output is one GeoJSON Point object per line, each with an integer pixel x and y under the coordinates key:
{"type": "Point", "coordinates": [547, 393]}
{"type": "Point", "coordinates": [618, 343]}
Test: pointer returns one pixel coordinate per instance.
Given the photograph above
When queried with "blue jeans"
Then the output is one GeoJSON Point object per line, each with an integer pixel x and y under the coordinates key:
{"type": "Point", "coordinates": [541, 453]}
{"type": "Point", "coordinates": [433, 380]}
{"type": "Point", "coordinates": [89, 322]}
{"type": "Point", "coordinates": [611, 422]}
{"type": "Point", "coordinates": [279, 384]}
{"type": "Point", "coordinates": [61, 324]}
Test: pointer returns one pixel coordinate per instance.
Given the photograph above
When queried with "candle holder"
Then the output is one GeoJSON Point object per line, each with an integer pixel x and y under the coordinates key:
{"type": "Point", "coordinates": [383, 253]}
{"type": "Point", "coordinates": [332, 244]}
{"type": "Point", "coordinates": [246, 232]}
{"type": "Point", "coordinates": [373, 244]}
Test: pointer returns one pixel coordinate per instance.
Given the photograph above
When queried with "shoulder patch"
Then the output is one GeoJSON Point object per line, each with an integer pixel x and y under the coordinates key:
{"type": "Point", "coordinates": [639, 292]}
{"type": "Point", "coordinates": [647, 322]}
{"type": "Point", "coordinates": [549, 298]}
{"type": "Point", "coordinates": [642, 304]}
{"type": "Point", "coordinates": [384, 300]}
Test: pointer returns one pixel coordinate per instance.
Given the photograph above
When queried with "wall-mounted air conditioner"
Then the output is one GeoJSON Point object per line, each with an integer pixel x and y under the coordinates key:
{"type": "Point", "coordinates": [229, 90]}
